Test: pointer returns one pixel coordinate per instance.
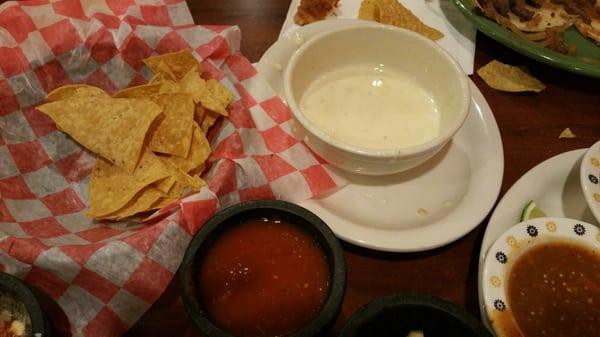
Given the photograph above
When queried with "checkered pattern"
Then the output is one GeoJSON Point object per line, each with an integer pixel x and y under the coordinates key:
{"type": "Point", "coordinates": [104, 276]}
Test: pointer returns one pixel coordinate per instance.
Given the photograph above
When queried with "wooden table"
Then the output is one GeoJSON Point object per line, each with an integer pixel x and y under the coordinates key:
{"type": "Point", "coordinates": [529, 124]}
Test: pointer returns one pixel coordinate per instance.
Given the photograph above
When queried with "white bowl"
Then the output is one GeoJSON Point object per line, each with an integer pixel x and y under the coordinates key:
{"type": "Point", "coordinates": [397, 49]}
{"type": "Point", "coordinates": [510, 245]}
{"type": "Point", "coordinates": [590, 178]}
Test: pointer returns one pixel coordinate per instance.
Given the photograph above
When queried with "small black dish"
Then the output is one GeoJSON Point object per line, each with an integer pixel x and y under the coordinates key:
{"type": "Point", "coordinates": [399, 314]}
{"type": "Point", "coordinates": [236, 214]}
{"type": "Point", "coordinates": [21, 302]}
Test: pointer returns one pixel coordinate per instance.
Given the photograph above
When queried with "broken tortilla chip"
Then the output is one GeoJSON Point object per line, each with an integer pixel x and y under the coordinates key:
{"type": "Point", "coordinates": [112, 128]}
{"type": "Point", "coordinates": [165, 185]}
{"type": "Point", "coordinates": [391, 12]}
{"type": "Point", "coordinates": [198, 154]}
{"type": "Point", "coordinates": [175, 65]}
{"type": "Point", "coordinates": [509, 78]}
{"type": "Point", "coordinates": [210, 117]}
{"type": "Point", "coordinates": [142, 202]}
{"type": "Point", "coordinates": [141, 91]}
{"type": "Point", "coordinates": [567, 133]}
{"type": "Point", "coordinates": [112, 187]}
{"type": "Point", "coordinates": [173, 135]}
{"type": "Point", "coordinates": [69, 91]}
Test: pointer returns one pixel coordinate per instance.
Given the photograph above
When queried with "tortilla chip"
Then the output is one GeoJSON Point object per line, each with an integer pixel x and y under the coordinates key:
{"type": "Point", "coordinates": [141, 91]}
{"type": "Point", "coordinates": [166, 184]}
{"type": "Point", "coordinates": [69, 91]}
{"type": "Point", "coordinates": [142, 202]}
{"type": "Point", "coordinates": [161, 77]}
{"type": "Point", "coordinates": [175, 64]}
{"type": "Point", "coordinates": [114, 128]}
{"type": "Point", "coordinates": [220, 95]}
{"type": "Point", "coordinates": [509, 78]}
{"type": "Point", "coordinates": [164, 202]}
{"type": "Point", "coordinates": [391, 12]}
{"type": "Point", "coordinates": [173, 135]}
{"type": "Point", "coordinates": [199, 114]}
{"type": "Point", "coordinates": [198, 170]}
{"type": "Point", "coordinates": [567, 133]}
{"type": "Point", "coordinates": [170, 87]}
{"type": "Point", "coordinates": [194, 85]}
{"type": "Point", "coordinates": [210, 117]}
{"type": "Point", "coordinates": [112, 187]}
{"type": "Point", "coordinates": [199, 152]}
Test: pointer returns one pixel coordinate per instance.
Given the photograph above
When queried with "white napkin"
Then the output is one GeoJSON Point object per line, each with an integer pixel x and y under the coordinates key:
{"type": "Point", "coordinates": [459, 33]}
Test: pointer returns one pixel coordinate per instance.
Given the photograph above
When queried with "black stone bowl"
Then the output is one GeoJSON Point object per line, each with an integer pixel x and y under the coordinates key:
{"type": "Point", "coordinates": [237, 214]}
{"type": "Point", "coordinates": [21, 302]}
{"type": "Point", "coordinates": [399, 314]}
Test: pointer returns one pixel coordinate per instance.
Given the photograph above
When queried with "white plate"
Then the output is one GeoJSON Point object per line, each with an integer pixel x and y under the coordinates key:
{"type": "Point", "coordinates": [427, 207]}
{"type": "Point", "coordinates": [554, 185]}
{"type": "Point", "coordinates": [590, 178]}
{"type": "Point", "coordinates": [443, 15]}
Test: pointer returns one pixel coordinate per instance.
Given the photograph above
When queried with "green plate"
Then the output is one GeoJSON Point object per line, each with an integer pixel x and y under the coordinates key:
{"type": "Point", "coordinates": [576, 64]}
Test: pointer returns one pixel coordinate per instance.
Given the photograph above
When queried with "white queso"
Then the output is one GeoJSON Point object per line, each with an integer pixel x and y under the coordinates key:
{"type": "Point", "coordinates": [371, 107]}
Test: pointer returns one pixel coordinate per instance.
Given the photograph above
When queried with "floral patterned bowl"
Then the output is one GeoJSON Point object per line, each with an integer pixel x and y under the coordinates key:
{"type": "Point", "coordinates": [590, 177]}
{"type": "Point", "coordinates": [514, 242]}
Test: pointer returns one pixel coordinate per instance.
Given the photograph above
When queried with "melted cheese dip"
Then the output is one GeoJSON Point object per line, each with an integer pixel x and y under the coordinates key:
{"type": "Point", "coordinates": [371, 108]}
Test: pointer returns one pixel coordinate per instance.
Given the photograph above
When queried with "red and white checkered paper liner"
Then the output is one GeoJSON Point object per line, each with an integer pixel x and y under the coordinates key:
{"type": "Point", "coordinates": [105, 276]}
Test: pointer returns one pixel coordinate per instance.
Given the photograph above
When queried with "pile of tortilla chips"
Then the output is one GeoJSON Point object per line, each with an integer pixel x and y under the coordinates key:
{"type": "Point", "coordinates": [150, 139]}
{"type": "Point", "coordinates": [392, 12]}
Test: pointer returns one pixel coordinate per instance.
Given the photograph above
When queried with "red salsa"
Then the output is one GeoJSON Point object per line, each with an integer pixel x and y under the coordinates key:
{"type": "Point", "coordinates": [263, 278]}
{"type": "Point", "coordinates": [554, 291]}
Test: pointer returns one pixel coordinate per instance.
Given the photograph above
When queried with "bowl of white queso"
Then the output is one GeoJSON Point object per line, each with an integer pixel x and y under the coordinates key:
{"type": "Point", "coordinates": [375, 99]}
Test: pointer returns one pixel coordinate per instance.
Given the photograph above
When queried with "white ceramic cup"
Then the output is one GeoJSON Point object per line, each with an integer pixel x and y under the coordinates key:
{"type": "Point", "coordinates": [398, 49]}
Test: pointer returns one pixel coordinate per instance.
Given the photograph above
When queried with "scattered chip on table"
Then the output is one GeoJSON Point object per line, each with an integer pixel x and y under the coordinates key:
{"type": "Point", "coordinates": [150, 139]}
{"type": "Point", "coordinates": [509, 78]}
{"type": "Point", "coordinates": [567, 133]}
{"type": "Point", "coordinates": [392, 12]}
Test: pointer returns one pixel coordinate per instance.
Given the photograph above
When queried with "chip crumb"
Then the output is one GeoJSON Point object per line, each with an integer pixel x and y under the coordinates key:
{"type": "Point", "coordinates": [422, 212]}
{"type": "Point", "coordinates": [567, 133]}
{"type": "Point", "coordinates": [505, 77]}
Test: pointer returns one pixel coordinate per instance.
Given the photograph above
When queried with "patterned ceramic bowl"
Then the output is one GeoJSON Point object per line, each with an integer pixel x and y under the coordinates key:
{"type": "Point", "coordinates": [512, 243]}
{"type": "Point", "coordinates": [590, 178]}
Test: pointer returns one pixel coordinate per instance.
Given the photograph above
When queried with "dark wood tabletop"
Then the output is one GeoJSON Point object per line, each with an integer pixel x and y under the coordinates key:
{"type": "Point", "coordinates": [529, 124]}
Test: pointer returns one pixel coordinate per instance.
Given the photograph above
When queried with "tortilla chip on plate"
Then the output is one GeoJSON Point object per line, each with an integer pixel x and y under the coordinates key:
{"type": "Point", "coordinates": [392, 12]}
{"type": "Point", "coordinates": [112, 128]}
{"type": "Point", "coordinates": [509, 78]}
{"type": "Point", "coordinates": [112, 187]}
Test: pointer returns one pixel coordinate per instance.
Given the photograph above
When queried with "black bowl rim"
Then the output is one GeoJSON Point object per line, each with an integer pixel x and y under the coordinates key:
{"type": "Point", "coordinates": [11, 284]}
{"type": "Point", "coordinates": [338, 286]}
{"type": "Point", "coordinates": [372, 308]}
